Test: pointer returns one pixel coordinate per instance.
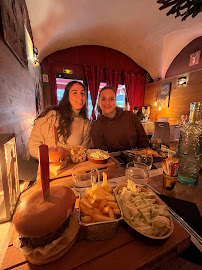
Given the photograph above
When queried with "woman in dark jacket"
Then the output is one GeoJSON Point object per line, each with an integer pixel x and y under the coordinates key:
{"type": "Point", "coordinates": [116, 129]}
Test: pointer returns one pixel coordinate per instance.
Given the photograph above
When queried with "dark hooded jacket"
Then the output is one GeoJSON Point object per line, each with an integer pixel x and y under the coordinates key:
{"type": "Point", "coordinates": [123, 132]}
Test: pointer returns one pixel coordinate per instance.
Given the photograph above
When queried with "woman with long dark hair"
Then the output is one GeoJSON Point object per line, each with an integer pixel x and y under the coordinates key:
{"type": "Point", "coordinates": [116, 129]}
{"type": "Point", "coordinates": [69, 118]}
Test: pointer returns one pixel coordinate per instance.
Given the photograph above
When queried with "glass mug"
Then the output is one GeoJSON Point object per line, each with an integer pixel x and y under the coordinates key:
{"type": "Point", "coordinates": [137, 172]}
{"type": "Point", "coordinates": [83, 180]}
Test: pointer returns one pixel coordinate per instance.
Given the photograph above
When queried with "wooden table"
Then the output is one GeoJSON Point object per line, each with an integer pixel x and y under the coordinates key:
{"type": "Point", "coordinates": [128, 250]}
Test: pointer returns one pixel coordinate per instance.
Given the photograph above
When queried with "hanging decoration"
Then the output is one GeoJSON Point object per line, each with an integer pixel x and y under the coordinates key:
{"type": "Point", "coordinates": [183, 8]}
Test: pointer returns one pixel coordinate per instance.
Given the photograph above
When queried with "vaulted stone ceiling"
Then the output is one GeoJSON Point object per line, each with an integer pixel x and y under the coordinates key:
{"type": "Point", "coordinates": [136, 28]}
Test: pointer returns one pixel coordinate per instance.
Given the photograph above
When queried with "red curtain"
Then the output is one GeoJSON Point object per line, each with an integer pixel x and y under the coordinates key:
{"type": "Point", "coordinates": [52, 81]}
{"type": "Point", "coordinates": [93, 75]}
{"type": "Point", "coordinates": [112, 78]}
{"type": "Point", "coordinates": [135, 85]}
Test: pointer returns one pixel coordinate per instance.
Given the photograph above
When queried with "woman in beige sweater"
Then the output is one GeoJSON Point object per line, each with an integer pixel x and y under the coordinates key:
{"type": "Point", "coordinates": [69, 118]}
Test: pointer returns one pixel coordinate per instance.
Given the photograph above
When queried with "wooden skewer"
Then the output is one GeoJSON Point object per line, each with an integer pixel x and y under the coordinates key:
{"type": "Point", "coordinates": [44, 170]}
{"type": "Point", "coordinates": [55, 136]}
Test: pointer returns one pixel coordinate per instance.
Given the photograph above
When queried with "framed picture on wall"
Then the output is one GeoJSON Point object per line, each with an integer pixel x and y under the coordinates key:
{"type": "Point", "coordinates": [165, 95]}
{"type": "Point", "coordinates": [194, 58]}
{"type": "Point", "coordinates": [14, 17]}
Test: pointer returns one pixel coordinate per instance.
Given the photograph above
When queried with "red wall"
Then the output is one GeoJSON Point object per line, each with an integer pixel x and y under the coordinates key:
{"type": "Point", "coordinates": [76, 57]}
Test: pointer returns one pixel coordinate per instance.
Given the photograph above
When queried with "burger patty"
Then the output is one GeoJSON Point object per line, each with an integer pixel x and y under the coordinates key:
{"type": "Point", "coordinates": [34, 242]}
{"type": "Point", "coordinates": [58, 160]}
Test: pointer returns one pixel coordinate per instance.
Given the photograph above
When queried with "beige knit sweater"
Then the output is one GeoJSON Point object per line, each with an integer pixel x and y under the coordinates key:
{"type": "Point", "coordinates": [42, 133]}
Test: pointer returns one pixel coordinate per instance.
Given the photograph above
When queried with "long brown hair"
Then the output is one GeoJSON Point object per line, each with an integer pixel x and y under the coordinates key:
{"type": "Point", "coordinates": [65, 112]}
{"type": "Point", "coordinates": [104, 88]}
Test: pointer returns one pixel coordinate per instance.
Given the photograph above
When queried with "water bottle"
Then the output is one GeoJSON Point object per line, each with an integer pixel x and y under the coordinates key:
{"type": "Point", "coordinates": [190, 147]}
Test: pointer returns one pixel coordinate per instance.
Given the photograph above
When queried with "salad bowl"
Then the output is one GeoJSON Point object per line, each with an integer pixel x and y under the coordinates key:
{"type": "Point", "coordinates": [97, 156]}
{"type": "Point", "coordinates": [155, 223]}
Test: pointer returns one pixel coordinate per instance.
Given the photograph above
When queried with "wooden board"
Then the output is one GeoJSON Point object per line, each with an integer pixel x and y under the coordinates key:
{"type": "Point", "coordinates": [85, 167]}
{"type": "Point", "coordinates": [127, 250]}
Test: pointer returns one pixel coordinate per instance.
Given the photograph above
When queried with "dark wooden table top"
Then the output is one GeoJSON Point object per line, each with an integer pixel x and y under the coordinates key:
{"type": "Point", "coordinates": [128, 250]}
{"type": "Point", "coordinates": [180, 191]}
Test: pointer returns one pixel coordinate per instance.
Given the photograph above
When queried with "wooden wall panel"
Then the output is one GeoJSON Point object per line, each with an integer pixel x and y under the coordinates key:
{"type": "Point", "coordinates": [180, 96]}
{"type": "Point", "coordinates": [17, 98]}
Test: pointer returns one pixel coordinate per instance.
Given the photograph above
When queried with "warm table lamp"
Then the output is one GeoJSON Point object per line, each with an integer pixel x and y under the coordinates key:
{"type": "Point", "coordinates": [9, 179]}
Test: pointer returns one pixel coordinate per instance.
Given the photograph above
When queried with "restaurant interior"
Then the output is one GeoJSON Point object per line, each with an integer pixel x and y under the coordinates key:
{"type": "Point", "coordinates": [150, 51]}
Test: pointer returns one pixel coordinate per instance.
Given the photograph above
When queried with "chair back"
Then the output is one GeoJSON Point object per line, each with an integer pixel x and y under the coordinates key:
{"type": "Point", "coordinates": [163, 119]}
{"type": "Point", "coordinates": [162, 131]}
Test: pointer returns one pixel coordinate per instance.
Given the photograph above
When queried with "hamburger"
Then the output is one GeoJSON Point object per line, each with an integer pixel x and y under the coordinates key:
{"type": "Point", "coordinates": [57, 159]}
{"type": "Point", "coordinates": [46, 228]}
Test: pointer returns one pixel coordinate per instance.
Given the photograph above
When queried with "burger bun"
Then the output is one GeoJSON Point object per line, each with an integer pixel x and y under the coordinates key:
{"type": "Point", "coordinates": [39, 259]}
{"type": "Point", "coordinates": [60, 248]}
{"type": "Point", "coordinates": [57, 155]}
{"type": "Point", "coordinates": [36, 217]}
{"type": "Point", "coordinates": [57, 159]}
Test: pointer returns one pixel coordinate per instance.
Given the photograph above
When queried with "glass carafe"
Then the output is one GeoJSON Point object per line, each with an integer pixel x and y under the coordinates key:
{"type": "Point", "coordinates": [190, 147]}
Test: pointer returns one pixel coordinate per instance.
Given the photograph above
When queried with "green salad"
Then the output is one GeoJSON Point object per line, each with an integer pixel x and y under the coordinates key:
{"type": "Point", "coordinates": [141, 210]}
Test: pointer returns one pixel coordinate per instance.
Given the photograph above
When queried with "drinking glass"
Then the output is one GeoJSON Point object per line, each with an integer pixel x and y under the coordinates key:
{"type": "Point", "coordinates": [137, 172]}
{"type": "Point", "coordinates": [83, 180]}
{"type": "Point", "coordinates": [144, 158]}
{"type": "Point", "coordinates": [183, 119]}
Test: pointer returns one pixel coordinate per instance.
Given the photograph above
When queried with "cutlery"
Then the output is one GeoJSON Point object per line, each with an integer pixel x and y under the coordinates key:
{"type": "Point", "coordinates": [179, 219]}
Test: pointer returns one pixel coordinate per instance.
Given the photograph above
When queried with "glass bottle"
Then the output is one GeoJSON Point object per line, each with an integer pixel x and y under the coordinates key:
{"type": "Point", "coordinates": [190, 147]}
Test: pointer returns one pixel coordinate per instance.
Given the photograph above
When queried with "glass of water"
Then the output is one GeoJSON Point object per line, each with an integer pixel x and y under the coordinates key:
{"type": "Point", "coordinates": [137, 172]}
{"type": "Point", "coordinates": [144, 158]}
{"type": "Point", "coordinates": [83, 179]}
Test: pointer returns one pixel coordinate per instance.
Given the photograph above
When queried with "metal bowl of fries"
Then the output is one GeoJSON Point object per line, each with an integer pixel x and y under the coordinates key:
{"type": "Point", "coordinates": [99, 212]}
{"type": "Point", "coordinates": [97, 156]}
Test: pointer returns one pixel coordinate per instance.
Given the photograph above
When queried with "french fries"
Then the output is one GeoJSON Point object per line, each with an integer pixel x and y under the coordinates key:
{"type": "Point", "coordinates": [86, 219]}
{"type": "Point", "coordinates": [98, 204]}
{"type": "Point", "coordinates": [116, 211]}
{"type": "Point", "coordinates": [105, 210]}
{"type": "Point", "coordinates": [110, 213]}
{"type": "Point", "coordinates": [100, 218]}
{"type": "Point", "coordinates": [102, 204]}
{"type": "Point", "coordinates": [112, 204]}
